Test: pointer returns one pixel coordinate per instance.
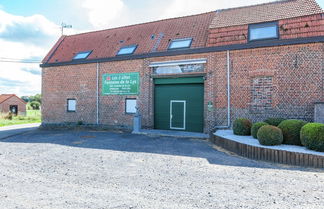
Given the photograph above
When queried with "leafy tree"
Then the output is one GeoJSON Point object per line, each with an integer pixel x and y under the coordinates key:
{"type": "Point", "coordinates": [35, 105]}
{"type": "Point", "coordinates": [37, 97]}
{"type": "Point", "coordinates": [25, 98]}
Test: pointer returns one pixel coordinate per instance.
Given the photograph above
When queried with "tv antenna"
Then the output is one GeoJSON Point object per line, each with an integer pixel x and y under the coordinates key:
{"type": "Point", "coordinates": [64, 25]}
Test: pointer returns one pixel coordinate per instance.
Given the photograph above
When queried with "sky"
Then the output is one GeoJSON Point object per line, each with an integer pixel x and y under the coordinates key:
{"type": "Point", "coordinates": [28, 29]}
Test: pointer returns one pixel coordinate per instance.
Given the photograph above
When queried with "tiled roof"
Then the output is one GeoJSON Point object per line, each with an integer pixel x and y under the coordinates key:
{"type": "Point", "coordinates": [265, 12]}
{"type": "Point", "coordinates": [106, 43]}
{"type": "Point", "coordinates": [4, 97]}
{"type": "Point", "coordinates": [156, 36]}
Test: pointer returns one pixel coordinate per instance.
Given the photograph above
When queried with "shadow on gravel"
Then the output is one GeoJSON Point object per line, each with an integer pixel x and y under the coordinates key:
{"type": "Point", "coordinates": [138, 143]}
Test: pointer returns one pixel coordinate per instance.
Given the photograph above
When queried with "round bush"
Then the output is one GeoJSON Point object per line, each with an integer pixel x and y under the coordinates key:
{"type": "Point", "coordinates": [274, 121]}
{"type": "Point", "coordinates": [291, 131]}
{"type": "Point", "coordinates": [312, 136]}
{"type": "Point", "coordinates": [270, 135]}
{"type": "Point", "coordinates": [255, 128]}
{"type": "Point", "coordinates": [242, 127]}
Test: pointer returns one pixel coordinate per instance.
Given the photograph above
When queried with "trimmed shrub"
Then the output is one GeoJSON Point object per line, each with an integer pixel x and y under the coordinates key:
{"type": "Point", "coordinates": [274, 121]}
{"type": "Point", "coordinates": [242, 127]}
{"type": "Point", "coordinates": [291, 131]}
{"type": "Point", "coordinates": [255, 128]}
{"type": "Point", "coordinates": [312, 136]}
{"type": "Point", "coordinates": [270, 135]}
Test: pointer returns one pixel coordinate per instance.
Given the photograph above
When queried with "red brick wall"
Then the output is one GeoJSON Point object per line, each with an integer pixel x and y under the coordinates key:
{"type": "Point", "coordinates": [296, 77]}
{"type": "Point", "coordinates": [4, 107]}
{"type": "Point", "coordinates": [300, 27]}
{"type": "Point", "coordinates": [69, 82]}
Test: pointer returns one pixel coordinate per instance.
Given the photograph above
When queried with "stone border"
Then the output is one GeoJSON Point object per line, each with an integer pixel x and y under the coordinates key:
{"type": "Point", "coordinates": [270, 155]}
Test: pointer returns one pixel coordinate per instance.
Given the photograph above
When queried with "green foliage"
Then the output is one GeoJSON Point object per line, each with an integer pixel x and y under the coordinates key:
{"type": "Point", "coordinates": [25, 98]}
{"type": "Point", "coordinates": [37, 97]}
{"type": "Point", "coordinates": [270, 135]}
{"type": "Point", "coordinates": [255, 128]}
{"type": "Point", "coordinates": [312, 136]}
{"type": "Point", "coordinates": [274, 121]}
{"type": "Point", "coordinates": [33, 116]}
{"type": "Point", "coordinates": [35, 105]}
{"type": "Point", "coordinates": [9, 116]}
{"type": "Point", "coordinates": [291, 131]}
{"type": "Point", "coordinates": [242, 127]}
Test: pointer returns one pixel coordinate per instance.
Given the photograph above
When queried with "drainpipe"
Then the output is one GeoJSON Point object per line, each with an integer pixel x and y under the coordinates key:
{"type": "Point", "coordinates": [228, 95]}
{"type": "Point", "coordinates": [97, 93]}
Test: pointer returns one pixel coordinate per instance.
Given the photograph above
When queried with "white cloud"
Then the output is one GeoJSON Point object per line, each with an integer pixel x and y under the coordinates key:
{"type": "Point", "coordinates": [24, 38]}
{"type": "Point", "coordinates": [104, 13]}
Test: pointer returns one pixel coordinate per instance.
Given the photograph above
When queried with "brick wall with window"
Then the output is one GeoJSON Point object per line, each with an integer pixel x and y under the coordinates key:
{"type": "Point", "coordinates": [290, 78]}
{"type": "Point", "coordinates": [300, 27]}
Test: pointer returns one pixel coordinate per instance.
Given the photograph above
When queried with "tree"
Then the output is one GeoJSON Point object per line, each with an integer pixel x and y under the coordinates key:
{"type": "Point", "coordinates": [35, 105]}
{"type": "Point", "coordinates": [25, 98]}
{"type": "Point", "coordinates": [37, 97]}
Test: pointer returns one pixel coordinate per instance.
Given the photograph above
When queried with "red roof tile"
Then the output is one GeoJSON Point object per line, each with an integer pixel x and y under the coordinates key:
{"type": "Point", "coordinates": [106, 43]}
{"type": "Point", "coordinates": [265, 12]}
{"type": "Point", "coordinates": [4, 97]}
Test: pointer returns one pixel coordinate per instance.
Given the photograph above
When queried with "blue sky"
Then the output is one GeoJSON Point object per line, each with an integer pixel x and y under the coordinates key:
{"type": "Point", "coordinates": [28, 29]}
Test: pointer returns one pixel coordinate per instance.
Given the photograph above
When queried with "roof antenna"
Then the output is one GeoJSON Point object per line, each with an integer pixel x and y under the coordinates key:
{"type": "Point", "coordinates": [64, 25]}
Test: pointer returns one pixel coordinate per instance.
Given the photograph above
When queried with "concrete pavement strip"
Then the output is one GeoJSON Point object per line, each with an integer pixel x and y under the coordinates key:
{"type": "Point", "coordinates": [9, 131]}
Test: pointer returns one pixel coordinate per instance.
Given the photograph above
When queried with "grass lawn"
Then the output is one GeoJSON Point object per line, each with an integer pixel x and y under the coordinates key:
{"type": "Point", "coordinates": [32, 116]}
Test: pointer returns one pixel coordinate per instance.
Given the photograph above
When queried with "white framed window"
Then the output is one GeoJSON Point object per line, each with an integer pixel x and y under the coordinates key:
{"type": "Point", "coordinates": [180, 43]}
{"type": "Point", "coordinates": [71, 105]}
{"type": "Point", "coordinates": [127, 50]}
{"type": "Point", "coordinates": [82, 55]}
{"type": "Point", "coordinates": [130, 106]}
{"type": "Point", "coordinates": [263, 31]}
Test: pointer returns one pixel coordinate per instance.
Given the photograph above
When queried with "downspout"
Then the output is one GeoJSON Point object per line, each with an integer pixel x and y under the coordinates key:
{"type": "Point", "coordinates": [97, 75]}
{"type": "Point", "coordinates": [228, 95]}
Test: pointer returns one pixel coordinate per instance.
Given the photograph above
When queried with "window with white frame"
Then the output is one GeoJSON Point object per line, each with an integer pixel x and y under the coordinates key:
{"type": "Point", "coordinates": [127, 50]}
{"type": "Point", "coordinates": [71, 105]}
{"type": "Point", "coordinates": [82, 55]}
{"type": "Point", "coordinates": [130, 106]}
{"type": "Point", "coordinates": [180, 43]}
{"type": "Point", "coordinates": [263, 31]}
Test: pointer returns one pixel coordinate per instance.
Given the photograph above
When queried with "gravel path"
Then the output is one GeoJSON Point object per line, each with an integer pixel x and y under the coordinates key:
{"type": "Point", "coordinates": [82, 169]}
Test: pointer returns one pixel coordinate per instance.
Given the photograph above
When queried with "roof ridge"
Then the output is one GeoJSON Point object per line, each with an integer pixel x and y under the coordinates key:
{"type": "Point", "coordinates": [255, 5]}
{"type": "Point", "coordinates": [143, 23]}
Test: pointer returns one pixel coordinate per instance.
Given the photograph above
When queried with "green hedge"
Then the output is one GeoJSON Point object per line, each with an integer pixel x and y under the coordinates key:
{"type": "Point", "coordinates": [274, 121]}
{"type": "Point", "coordinates": [270, 135]}
{"type": "Point", "coordinates": [291, 131]}
{"type": "Point", "coordinates": [312, 136]}
{"type": "Point", "coordinates": [242, 127]}
{"type": "Point", "coordinates": [255, 128]}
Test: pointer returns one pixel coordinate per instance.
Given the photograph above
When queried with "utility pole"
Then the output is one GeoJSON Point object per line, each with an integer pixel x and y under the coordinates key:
{"type": "Point", "coordinates": [64, 25]}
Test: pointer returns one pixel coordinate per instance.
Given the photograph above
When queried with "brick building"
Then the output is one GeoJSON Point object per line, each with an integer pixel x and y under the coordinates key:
{"type": "Point", "coordinates": [12, 103]}
{"type": "Point", "coordinates": [191, 73]}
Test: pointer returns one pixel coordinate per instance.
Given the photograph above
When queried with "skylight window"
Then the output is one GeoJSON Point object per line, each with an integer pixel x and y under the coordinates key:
{"type": "Point", "coordinates": [180, 43]}
{"type": "Point", "coordinates": [127, 50]}
{"type": "Point", "coordinates": [263, 31]}
{"type": "Point", "coordinates": [82, 55]}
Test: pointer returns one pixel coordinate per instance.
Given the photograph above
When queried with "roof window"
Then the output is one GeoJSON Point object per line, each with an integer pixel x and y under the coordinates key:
{"type": "Point", "coordinates": [127, 50]}
{"type": "Point", "coordinates": [82, 55]}
{"type": "Point", "coordinates": [263, 31]}
{"type": "Point", "coordinates": [180, 43]}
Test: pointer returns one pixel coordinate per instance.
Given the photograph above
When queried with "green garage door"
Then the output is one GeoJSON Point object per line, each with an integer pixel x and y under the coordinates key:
{"type": "Point", "coordinates": [178, 104]}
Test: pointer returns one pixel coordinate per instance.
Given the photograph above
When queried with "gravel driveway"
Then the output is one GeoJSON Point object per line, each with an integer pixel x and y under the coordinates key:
{"type": "Point", "coordinates": [84, 169]}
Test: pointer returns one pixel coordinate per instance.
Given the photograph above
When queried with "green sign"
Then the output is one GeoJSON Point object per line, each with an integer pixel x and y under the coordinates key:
{"type": "Point", "coordinates": [120, 84]}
